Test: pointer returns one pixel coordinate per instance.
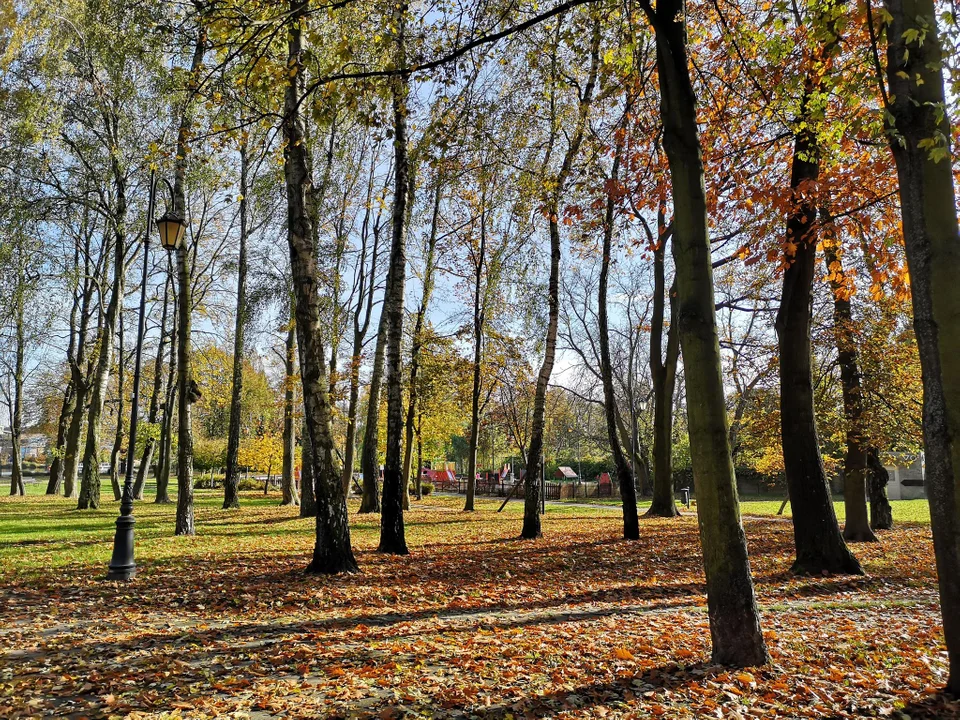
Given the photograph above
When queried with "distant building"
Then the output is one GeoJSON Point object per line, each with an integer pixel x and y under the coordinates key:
{"type": "Point", "coordinates": [906, 478]}
{"type": "Point", "coordinates": [565, 473]}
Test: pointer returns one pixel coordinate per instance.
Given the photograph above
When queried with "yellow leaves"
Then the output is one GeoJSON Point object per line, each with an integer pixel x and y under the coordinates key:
{"type": "Point", "coordinates": [623, 654]}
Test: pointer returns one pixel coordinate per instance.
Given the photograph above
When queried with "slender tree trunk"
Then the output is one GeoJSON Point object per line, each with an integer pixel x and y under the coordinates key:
{"type": "Point", "coordinates": [631, 521]}
{"type": "Point", "coordinates": [149, 446]}
{"type": "Point", "coordinates": [819, 545]}
{"type": "Point", "coordinates": [370, 452]}
{"type": "Point", "coordinates": [857, 525]}
{"type": "Point", "coordinates": [308, 500]}
{"type": "Point", "coordinates": [90, 479]}
{"type": "Point", "coordinates": [189, 392]}
{"type": "Point", "coordinates": [117, 448]}
{"type": "Point", "coordinates": [732, 608]}
{"type": "Point", "coordinates": [232, 475]}
{"type": "Point", "coordinates": [663, 372]}
{"type": "Point", "coordinates": [332, 552]}
{"type": "Point", "coordinates": [478, 322]}
{"type": "Point", "coordinates": [392, 538]}
{"type": "Point", "coordinates": [533, 502]}
{"type": "Point", "coordinates": [290, 495]}
{"type": "Point", "coordinates": [166, 428]}
{"type": "Point", "coordinates": [16, 427]}
{"type": "Point", "coordinates": [928, 205]}
{"type": "Point", "coordinates": [417, 344]}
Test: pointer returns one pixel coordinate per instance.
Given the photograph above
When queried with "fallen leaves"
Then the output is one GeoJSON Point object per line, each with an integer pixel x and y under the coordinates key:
{"type": "Point", "coordinates": [222, 628]}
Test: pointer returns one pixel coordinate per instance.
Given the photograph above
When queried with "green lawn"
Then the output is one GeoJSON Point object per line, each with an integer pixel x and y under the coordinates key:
{"type": "Point", "coordinates": [903, 510]}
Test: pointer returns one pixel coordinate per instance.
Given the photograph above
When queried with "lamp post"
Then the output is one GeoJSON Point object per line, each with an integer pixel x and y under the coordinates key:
{"type": "Point", "coordinates": [122, 565]}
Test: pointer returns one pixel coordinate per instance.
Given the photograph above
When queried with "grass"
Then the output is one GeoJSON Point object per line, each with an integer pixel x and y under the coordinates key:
{"type": "Point", "coordinates": [913, 511]}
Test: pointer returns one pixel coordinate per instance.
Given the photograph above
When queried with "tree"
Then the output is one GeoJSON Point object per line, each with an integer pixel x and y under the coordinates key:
{"type": "Point", "coordinates": [919, 132]}
{"type": "Point", "coordinates": [734, 622]}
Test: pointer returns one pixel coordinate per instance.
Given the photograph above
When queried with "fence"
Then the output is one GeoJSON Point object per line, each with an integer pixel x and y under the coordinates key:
{"type": "Point", "coordinates": [552, 490]}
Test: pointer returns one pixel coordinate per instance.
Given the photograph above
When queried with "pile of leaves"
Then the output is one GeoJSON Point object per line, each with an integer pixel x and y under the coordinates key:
{"type": "Point", "coordinates": [474, 623]}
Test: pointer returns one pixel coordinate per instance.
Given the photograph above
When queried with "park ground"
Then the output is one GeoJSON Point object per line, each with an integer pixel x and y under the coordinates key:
{"type": "Point", "coordinates": [473, 623]}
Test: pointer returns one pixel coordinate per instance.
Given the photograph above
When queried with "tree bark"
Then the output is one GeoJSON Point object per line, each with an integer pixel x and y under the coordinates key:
{"type": "Point", "coordinates": [232, 474]}
{"type": "Point", "coordinates": [16, 425]}
{"type": "Point", "coordinates": [332, 552]}
{"type": "Point", "coordinates": [928, 205]}
{"type": "Point", "coordinates": [819, 545]}
{"type": "Point", "coordinates": [392, 538]}
{"type": "Point", "coordinates": [731, 603]}
{"type": "Point", "coordinates": [479, 312]}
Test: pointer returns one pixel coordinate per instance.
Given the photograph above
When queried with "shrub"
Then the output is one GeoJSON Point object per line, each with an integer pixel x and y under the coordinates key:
{"type": "Point", "coordinates": [250, 484]}
{"type": "Point", "coordinates": [426, 487]}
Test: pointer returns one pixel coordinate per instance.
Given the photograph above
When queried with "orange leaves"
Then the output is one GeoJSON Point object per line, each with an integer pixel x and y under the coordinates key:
{"type": "Point", "coordinates": [623, 654]}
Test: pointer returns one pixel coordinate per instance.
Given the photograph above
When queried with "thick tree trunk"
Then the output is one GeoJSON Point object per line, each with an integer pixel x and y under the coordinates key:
{"type": "Point", "coordinates": [857, 525]}
{"type": "Point", "coordinates": [663, 372]}
{"type": "Point", "coordinates": [631, 522]}
{"type": "Point", "coordinates": [232, 474]}
{"type": "Point", "coordinates": [332, 552]}
{"type": "Point", "coordinates": [819, 545]}
{"type": "Point", "coordinates": [290, 495]}
{"type": "Point", "coordinates": [928, 205]}
{"type": "Point", "coordinates": [392, 538]}
{"type": "Point", "coordinates": [881, 514]}
{"type": "Point", "coordinates": [734, 622]}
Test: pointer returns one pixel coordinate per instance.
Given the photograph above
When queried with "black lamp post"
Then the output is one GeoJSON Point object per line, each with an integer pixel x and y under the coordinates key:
{"type": "Point", "coordinates": [122, 565]}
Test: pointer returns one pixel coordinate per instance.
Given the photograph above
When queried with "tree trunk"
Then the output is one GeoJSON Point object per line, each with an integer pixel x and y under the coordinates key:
{"type": "Point", "coordinates": [533, 480]}
{"type": "Point", "coordinates": [928, 205]}
{"type": "Point", "coordinates": [663, 372]}
{"type": "Point", "coordinates": [90, 479]}
{"type": "Point", "coordinates": [478, 322]}
{"type": "Point", "coordinates": [308, 499]}
{"type": "Point", "coordinates": [881, 514]}
{"type": "Point", "coordinates": [166, 428]}
{"type": "Point", "coordinates": [631, 521]}
{"type": "Point", "coordinates": [332, 552]}
{"type": "Point", "coordinates": [392, 538]}
{"type": "Point", "coordinates": [232, 474]}
{"type": "Point", "coordinates": [290, 495]}
{"type": "Point", "coordinates": [857, 525]}
{"type": "Point", "coordinates": [417, 344]}
{"type": "Point", "coordinates": [734, 622]}
{"type": "Point", "coordinates": [146, 460]}
{"type": "Point", "coordinates": [370, 452]}
{"type": "Point", "coordinates": [188, 390]}
{"type": "Point", "coordinates": [16, 426]}
{"type": "Point", "coordinates": [117, 448]}
{"type": "Point", "coordinates": [819, 545]}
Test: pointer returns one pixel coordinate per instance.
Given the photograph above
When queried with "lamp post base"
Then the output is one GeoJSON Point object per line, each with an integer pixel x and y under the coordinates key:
{"type": "Point", "coordinates": [122, 566]}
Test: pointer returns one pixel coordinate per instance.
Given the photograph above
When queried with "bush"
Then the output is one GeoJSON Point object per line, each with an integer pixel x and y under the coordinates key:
{"type": "Point", "coordinates": [250, 484]}
{"type": "Point", "coordinates": [426, 487]}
